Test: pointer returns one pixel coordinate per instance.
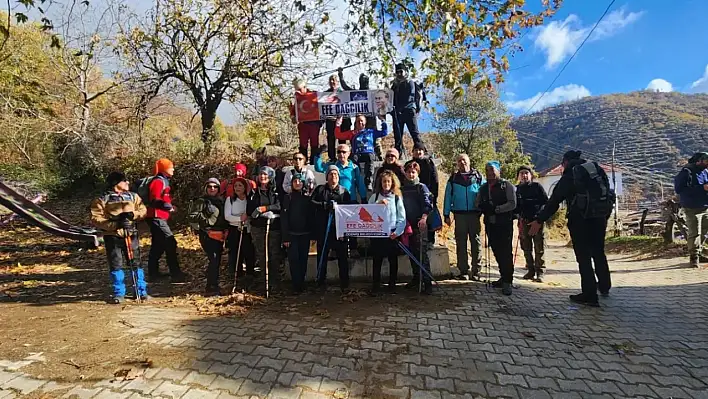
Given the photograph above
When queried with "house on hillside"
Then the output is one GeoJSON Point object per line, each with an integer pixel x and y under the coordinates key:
{"type": "Point", "coordinates": [549, 177]}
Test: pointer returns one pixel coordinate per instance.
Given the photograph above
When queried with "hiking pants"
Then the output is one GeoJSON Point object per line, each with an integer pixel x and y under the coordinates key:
{"type": "Point", "coordinates": [340, 247]}
{"type": "Point", "coordinates": [467, 226]}
{"type": "Point", "coordinates": [258, 234]}
{"type": "Point", "coordinates": [162, 242]}
{"type": "Point", "coordinates": [116, 251]}
{"type": "Point", "coordinates": [309, 132]}
{"type": "Point", "coordinates": [418, 242]}
{"type": "Point", "coordinates": [331, 146]}
{"type": "Point", "coordinates": [366, 164]}
{"type": "Point", "coordinates": [533, 245]}
{"type": "Point", "coordinates": [588, 237]}
{"type": "Point", "coordinates": [385, 248]}
{"type": "Point", "coordinates": [405, 118]}
{"type": "Point", "coordinates": [297, 258]}
{"type": "Point", "coordinates": [213, 249]}
{"type": "Point", "coordinates": [697, 227]}
{"type": "Point", "coordinates": [501, 237]}
{"type": "Point", "coordinates": [246, 254]}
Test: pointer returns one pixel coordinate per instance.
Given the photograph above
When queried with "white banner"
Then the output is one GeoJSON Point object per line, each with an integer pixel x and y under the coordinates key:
{"type": "Point", "coordinates": [320, 105]}
{"type": "Point", "coordinates": [368, 220]}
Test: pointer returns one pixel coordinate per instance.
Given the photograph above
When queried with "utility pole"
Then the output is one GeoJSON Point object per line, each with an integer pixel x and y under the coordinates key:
{"type": "Point", "coordinates": [614, 185]}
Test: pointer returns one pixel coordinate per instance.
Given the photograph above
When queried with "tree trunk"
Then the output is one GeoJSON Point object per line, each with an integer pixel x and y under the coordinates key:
{"type": "Point", "coordinates": [208, 119]}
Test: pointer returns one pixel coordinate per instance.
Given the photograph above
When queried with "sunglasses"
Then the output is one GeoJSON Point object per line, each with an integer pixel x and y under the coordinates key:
{"type": "Point", "coordinates": [299, 159]}
{"type": "Point", "coordinates": [210, 186]}
{"type": "Point", "coordinates": [342, 152]}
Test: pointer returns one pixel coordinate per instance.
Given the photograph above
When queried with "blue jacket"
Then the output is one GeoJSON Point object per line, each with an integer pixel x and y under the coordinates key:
{"type": "Point", "coordinates": [417, 200]}
{"type": "Point", "coordinates": [461, 192]}
{"type": "Point", "coordinates": [688, 184]}
{"type": "Point", "coordinates": [362, 141]}
{"type": "Point", "coordinates": [349, 177]}
{"type": "Point", "coordinates": [395, 209]}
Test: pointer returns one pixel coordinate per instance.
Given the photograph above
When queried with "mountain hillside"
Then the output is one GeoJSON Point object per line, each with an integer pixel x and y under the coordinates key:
{"type": "Point", "coordinates": [654, 131]}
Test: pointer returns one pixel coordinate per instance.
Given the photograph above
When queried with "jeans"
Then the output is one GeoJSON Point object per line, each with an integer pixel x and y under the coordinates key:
{"type": "Point", "coordinates": [406, 117]}
{"type": "Point", "coordinates": [385, 248]}
{"type": "Point", "coordinates": [533, 245]}
{"type": "Point", "coordinates": [501, 235]}
{"type": "Point", "coordinates": [588, 237]}
{"type": "Point", "coordinates": [245, 256]}
{"type": "Point", "coordinates": [297, 257]}
{"type": "Point", "coordinates": [162, 242]}
{"type": "Point", "coordinates": [213, 249]}
{"type": "Point", "coordinates": [467, 226]}
{"type": "Point", "coordinates": [340, 247]}
{"type": "Point", "coordinates": [696, 229]}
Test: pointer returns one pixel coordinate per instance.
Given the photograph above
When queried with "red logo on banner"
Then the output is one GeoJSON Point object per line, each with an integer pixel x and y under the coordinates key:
{"type": "Point", "coordinates": [307, 109]}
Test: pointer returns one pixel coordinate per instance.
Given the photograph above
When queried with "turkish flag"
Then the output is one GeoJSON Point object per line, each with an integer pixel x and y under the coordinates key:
{"type": "Point", "coordinates": [306, 107]}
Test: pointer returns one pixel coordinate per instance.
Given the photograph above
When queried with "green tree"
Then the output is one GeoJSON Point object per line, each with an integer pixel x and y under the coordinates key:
{"type": "Point", "coordinates": [477, 124]}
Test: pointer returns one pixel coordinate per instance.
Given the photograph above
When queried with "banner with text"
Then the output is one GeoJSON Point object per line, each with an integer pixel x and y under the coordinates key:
{"type": "Point", "coordinates": [368, 220]}
{"type": "Point", "coordinates": [319, 105]}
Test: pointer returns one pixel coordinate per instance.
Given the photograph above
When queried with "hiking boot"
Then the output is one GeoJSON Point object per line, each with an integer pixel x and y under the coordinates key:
{"type": "Point", "coordinates": [412, 284]}
{"type": "Point", "coordinates": [694, 262]}
{"type": "Point", "coordinates": [428, 289]}
{"type": "Point", "coordinates": [605, 294]}
{"type": "Point", "coordinates": [475, 277]}
{"type": "Point", "coordinates": [539, 277]}
{"type": "Point", "coordinates": [116, 300]}
{"type": "Point", "coordinates": [391, 289]}
{"type": "Point", "coordinates": [506, 289]}
{"type": "Point", "coordinates": [497, 284]}
{"type": "Point", "coordinates": [584, 300]}
{"type": "Point", "coordinates": [529, 274]}
{"type": "Point", "coordinates": [375, 289]}
{"type": "Point", "coordinates": [145, 298]}
{"type": "Point", "coordinates": [463, 277]}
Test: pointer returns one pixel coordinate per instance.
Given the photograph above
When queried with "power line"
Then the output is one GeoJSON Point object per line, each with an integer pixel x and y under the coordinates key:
{"type": "Point", "coordinates": [571, 57]}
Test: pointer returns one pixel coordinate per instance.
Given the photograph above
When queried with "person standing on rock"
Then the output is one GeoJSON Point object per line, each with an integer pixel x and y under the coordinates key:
{"type": "Point", "coordinates": [159, 210]}
{"type": "Point", "coordinates": [407, 106]}
{"type": "Point", "coordinates": [330, 124]}
{"type": "Point", "coordinates": [587, 222]}
{"type": "Point", "coordinates": [691, 184]}
{"type": "Point", "coordinates": [461, 192]}
{"type": "Point", "coordinates": [530, 198]}
{"type": "Point", "coordinates": [370, 120]}
{"type": "Point", "coordinates": [115, 214]}
{"type": "Point", "coordinates": [497, 201]}
{"type": "Point", "coordinates": [308, 132]}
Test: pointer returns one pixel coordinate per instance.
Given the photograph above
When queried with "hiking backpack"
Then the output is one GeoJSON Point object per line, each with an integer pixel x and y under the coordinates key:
{"type": "Point", "coordinates": [593, 196]}
{"type": "Point", "coordinates": [142, 187]}
{"type": "Point", "coordinates": [420, 95]}
{"type": "Point", "coordinates": [198, 216]}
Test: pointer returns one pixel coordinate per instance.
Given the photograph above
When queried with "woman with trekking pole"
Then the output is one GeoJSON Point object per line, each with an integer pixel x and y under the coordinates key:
{"type": "Point", "coordinates": [264, 208]}
{"type": "Point", "coordinates": [115, 213]}
{"type": "Point", "coordinates": [239, 239]}
{"type": "Point", "coordinates": [418, 205]}
{"type": "Point", "coordinates": [296, 222]}
{"type": "Point", "coordinates": [206, 217]}
{"type": "Point", "coordinates": [323, 199]}
{"type": "Point", "coordinates": [387, 191]}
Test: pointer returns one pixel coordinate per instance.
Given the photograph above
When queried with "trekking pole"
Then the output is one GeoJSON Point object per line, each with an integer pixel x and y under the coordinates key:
{"type": "Point", "coordinates": [131, 264]}
{"type": "Point", "coordinates": [417, 262]}
{"type": "Point", "coordinates": [324, 246]}
{"type": "Point", "coordinates": [420, 275]}
{"type": "Point", "coordinates": [516, 248]}
{"type": "Point", "coordinates": [267, 282]}
{"type": "Point", "coordinates": [321, 74]}
{"type": "Point", "coordinates": [238, 259]}
{"type": "Point", "coordinates": [487, 265]}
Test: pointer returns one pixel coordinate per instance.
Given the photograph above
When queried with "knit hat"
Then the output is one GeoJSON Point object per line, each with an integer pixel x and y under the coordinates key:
{"type": "Point", "coordinates": [239, 167]}
{"type": "Point", "coordinates": [267, 170]}
{"type": "Point", "coordinates": [331, 169]}
{"type": "Point", "coordinates": [114, 178]}
{"type": "Point", "coordinates": [162, 165]}
{"type": "Point", "coordinates": [571, 155]}
{"type": "Point", "coordinates": [524, 167]}
{"type": "Point", "coordinates": [401, 66]}
{"type": "Point", "coordinates": [393, 151]}
{"type": "Point", "coordinates": [495, 164]}
{"type": "Point", "coordinates": [299, 176]}
{"type": "Point", "coordinates": [419, 146]}
{"type": "Point", "coordinates": [213, 180]}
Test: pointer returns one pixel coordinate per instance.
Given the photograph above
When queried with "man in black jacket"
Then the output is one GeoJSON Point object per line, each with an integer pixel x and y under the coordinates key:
{"type": "Point", "coordinates": [324, 198]}
{"type": "Point", "coordinates": [530, 198]}
{"type": "Point", "coordinates": [406, 102]}
{"type": "Point", "coordinates": [296, 223]}
{"type": "Point", "coordinates": [587, 234]}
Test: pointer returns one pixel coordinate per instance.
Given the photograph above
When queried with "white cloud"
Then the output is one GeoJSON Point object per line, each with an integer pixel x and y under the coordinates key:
{"type": "Point", "coordinates": [660, 85]}
{"type": "Point", "coordinates": [560, 39]}
{"type": "Point", "coordinates": [701, 85]}
{"type": "Point", "coordinates": [558, 95]}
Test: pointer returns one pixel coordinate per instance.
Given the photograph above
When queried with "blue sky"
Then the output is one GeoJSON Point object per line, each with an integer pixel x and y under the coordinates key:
{"type": "Point", "coordinates": [640, 44]}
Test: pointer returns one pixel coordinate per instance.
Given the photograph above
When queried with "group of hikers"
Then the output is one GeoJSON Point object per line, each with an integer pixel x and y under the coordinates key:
{"type": "Point", "coordinates": [691, 185]}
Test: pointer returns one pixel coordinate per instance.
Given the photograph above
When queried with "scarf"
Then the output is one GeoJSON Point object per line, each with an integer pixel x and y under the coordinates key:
{"type": "Point", "coordinates": [413, 182]}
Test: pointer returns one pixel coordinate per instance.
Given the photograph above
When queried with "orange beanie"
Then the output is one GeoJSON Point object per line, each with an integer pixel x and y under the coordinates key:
{"type": "Point", "coordinates": [162, 165]}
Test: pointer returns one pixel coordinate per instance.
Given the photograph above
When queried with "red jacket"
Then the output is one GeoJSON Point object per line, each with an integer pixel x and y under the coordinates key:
{"type": "Point", "coordinates": [160, 202]}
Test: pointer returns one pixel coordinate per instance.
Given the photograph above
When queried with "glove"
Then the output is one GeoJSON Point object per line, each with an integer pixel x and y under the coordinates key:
{"type": "Point", "coordinates": [126, 224]}
{"type": "Point", "coordinates": [256, 213]}
{"type": "Point", "coordinates": [322, 149]}
{"type": "Point", "coordinates": [126, 216]}
{"type": "Point", "coordinates": [268, 215]}
{"type": "Point", "coordinates": [211, 208]}
{"type": "Point", "coordinates": [329, 205]}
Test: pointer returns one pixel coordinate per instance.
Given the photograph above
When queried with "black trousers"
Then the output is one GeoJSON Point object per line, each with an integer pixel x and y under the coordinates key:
{"type": "Point", "coordinates": [331, 146]}
{"type": "Point", "coordinates": [405, 118]}
{"type": "Point", "coordinates": [501, 236]}
{"type": "Point", "coordinates": [340, 247]}
{"type": "Point", "coordinates": [162, 242]}
{"type": "Point", "coordinates": [246, 255]}
{"type": "Point", "coordinates": [588, 237]}
{"type": "Point", "coordinates": [366, 164]}
{"type": "Point", "coordinates": [297, 258]}
{"type": "Point", "coordinates": [213, 250]}
{"type": "Point", "coordinates": [116, 251]}
{"type": "Point", "coordinates": [385, 248]}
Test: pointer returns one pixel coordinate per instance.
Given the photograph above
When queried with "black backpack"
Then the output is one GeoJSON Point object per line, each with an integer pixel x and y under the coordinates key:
{"type": "Point", "coordinates": [593, 196]}
{"type": "Point", "coordinates": [420, 97]}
